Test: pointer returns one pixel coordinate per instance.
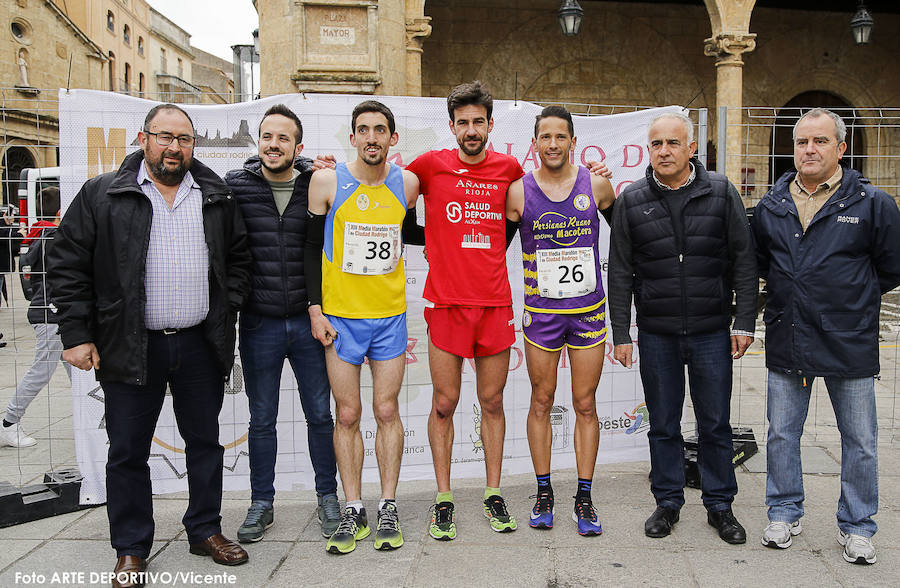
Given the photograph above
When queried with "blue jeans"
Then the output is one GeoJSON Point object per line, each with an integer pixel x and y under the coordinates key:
{"type": "Point", "coordinates": [708, 358]}
{"type": "Point", "coordinates": [265, 342]}
{"type": "Point", "coordinates": [853, 400]}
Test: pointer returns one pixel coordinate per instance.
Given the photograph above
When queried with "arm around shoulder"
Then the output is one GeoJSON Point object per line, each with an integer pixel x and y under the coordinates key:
{"type": "Point", "coordinates": [322, 186]}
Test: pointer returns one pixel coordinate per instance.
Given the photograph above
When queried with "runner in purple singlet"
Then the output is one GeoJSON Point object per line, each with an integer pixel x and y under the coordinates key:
{"type": "Point", "coordinates": [564, 302]}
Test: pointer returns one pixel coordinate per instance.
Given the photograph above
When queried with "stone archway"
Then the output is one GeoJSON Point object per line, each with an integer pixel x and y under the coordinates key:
{"type": "Point", "coordinates": [15, 159]}
{"type": "Point", "coordinates": [782, 147]}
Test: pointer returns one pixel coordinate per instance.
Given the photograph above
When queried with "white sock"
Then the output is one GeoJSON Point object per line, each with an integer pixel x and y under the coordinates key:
{"type": "Point", "coordinates": [355, 505]}
{"type": "Point", "coordinates": [384, 501]}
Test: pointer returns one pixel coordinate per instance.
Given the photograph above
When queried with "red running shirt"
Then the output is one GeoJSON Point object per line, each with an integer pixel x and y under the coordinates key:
{"type": "Point", "coordinates": [465, 227]}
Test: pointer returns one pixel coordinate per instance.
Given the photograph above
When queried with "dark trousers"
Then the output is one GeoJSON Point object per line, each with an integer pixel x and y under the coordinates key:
{"type": "Point", "coordinates": [709, 364]}
{"type": "Point", "coordinates": [186, 363]}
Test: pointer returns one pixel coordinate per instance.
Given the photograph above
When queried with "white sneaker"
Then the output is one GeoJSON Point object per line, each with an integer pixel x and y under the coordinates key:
{"type": "Point", "coordinates": [14, 436]}
{"type": "Point", "coordinates": [778, 534]}
{"type": "Point", "coordinates": [857, 549]}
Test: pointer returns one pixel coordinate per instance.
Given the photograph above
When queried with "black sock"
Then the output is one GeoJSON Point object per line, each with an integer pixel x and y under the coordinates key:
{"type": "Point", "coordinates": [543, 484]}
{"type": "Point", "coordinates": [584, 489]}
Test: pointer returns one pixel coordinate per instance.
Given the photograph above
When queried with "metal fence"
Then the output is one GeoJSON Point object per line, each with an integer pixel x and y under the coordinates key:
{"type": "Point", "coordinates": [873, 145]}
{"type": "Point", "coordinates": [29, 138]}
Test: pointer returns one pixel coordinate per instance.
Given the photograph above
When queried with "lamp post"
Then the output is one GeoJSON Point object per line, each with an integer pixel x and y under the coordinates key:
{"type": "Point", "coordinates": [861, 24]}
{"type": "Point", "coordinates": [570, 15]}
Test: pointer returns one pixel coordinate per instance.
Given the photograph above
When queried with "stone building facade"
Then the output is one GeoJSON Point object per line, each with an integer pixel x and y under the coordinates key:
{"type": "Point", "coordinates": [705, 54]}
{"type": "Point", "coordinates": [211, 75]}
{"type": "Point", "coordinates": [37, 45]}
{"type": "Point", "coordinates": [121, 29]}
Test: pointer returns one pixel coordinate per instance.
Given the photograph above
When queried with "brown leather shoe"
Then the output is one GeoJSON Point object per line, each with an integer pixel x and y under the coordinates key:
{"type": "Point", "coordinates": [128, 572]}
{"type": "Point", "coordinates": [223, 551]}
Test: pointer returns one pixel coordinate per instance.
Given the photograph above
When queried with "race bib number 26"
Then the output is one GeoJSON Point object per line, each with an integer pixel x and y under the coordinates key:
{"type": "Point", "coordinates": [371, 249]}
{"type": "Point", "coordinates": [566, 273]}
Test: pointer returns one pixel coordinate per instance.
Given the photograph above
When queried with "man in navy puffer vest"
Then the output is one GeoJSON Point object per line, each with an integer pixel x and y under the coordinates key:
{"type": "Point", "coordinates": [271, 189]}
{"type": "Point", "coordinates": [681, 245]}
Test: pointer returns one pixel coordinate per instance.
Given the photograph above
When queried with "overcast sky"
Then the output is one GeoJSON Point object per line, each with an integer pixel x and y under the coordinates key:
{"type": "Point", "coordinates": [214, 25]}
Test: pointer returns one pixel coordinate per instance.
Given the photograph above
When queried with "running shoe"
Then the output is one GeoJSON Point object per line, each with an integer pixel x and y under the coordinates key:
{"type": "Point", "coordinates": [586, 518]}
{"type": "Point", "coordinates": [329, 513]}
{"type": "Point", "coordinates": [354, 527]}
{"type": "Point", "coordinates": [542, 513]}
{"type": "Point", "coordinates": [495, 510]}
{"type": "Point", "coordinates": [857, 548]}
{"type": "Point", "coordinates": [779, 534]}
{"type": "Point", "coordinates": [442, 526]}
{"type": "Point", "coordinates": [259, 518]}
{"type": "Point", "coordinates": [387, 534]}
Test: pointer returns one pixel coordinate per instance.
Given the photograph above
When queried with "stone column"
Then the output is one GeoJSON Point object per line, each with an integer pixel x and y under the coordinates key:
{"type": "Point", "coordinates": [727, 48]}
{"type": "Point", "coordinates": [418, 28]}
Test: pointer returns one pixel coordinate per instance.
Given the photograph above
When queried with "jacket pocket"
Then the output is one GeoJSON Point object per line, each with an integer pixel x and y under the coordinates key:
{"type": "Point", "coordinates": [844, 321]}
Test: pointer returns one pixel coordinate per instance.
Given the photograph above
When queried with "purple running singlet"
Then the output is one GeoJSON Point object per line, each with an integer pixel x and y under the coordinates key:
{"type": "Point", "coordinates": [561, 259]}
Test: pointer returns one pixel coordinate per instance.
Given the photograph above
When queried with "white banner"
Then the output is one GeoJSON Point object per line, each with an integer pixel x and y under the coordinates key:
{"type": "Point", "coordinates": [97, 130]}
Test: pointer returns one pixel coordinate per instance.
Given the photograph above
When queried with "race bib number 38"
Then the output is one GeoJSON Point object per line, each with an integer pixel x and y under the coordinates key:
{"type": "Point", "coordinates": [371, 249]}
{"type": "Point", "coordinates": [566, 273]}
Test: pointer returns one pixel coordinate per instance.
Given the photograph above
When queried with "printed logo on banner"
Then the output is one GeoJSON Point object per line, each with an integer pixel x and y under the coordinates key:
{"type": "Point", "coordinates": [559, 425]}
{"type": "Point", "coordinates": [630, 423]}
{"type": "Point", "coordinates": [477, 444]}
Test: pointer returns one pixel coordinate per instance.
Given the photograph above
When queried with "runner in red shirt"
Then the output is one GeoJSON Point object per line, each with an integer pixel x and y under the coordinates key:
{"type": "Point", "coordinates": [465, 235]}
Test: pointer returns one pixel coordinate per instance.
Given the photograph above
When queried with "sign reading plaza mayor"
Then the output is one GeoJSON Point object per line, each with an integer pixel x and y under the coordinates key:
{"type": "Point", "coordinates": [97, 130]}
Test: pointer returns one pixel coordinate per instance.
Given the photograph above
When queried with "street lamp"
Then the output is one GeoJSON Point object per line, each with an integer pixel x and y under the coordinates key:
{"type": "Point", "coordinates": [570, 15]}
{"type": "Point", "coordinates": [861, 24]}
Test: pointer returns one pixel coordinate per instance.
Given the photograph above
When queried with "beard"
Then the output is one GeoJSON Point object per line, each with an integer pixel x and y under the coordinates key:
{"type": "Point", "coordinates": [164, 175]}
{"type": "Point", "coordinates": [276, 168]}
{"type": "Point", "coordinates": [376, 159]}
{"type": "Point", "coordinates": [470, 151]}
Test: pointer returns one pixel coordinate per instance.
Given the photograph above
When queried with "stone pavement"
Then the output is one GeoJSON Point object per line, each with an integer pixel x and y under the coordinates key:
{"type": "Point", "coordinates": [293, 554]}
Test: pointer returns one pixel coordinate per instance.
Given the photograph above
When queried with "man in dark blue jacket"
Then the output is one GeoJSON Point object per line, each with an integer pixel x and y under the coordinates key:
{"type": "Point", "coordinates": [271, 189]}
{"type": "Point", "coordinates": [680, 243]}
{"type": "Point", "coordinates": [828, 244]}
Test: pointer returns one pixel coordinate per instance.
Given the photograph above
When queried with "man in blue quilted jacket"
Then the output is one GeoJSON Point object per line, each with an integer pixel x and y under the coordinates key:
{"type": "Point", "coordinates": [828, 244]}
{"type": "Point", "coordinates": [271, 189]}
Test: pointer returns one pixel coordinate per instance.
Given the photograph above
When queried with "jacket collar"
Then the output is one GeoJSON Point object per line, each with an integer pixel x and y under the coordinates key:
{"type": "Point", "coordinates": [698, 187]}
{"type": "Point", "coordinates": [125, 180]}
{"type": "Point", "coordinates": [779, 201]}
{"type": "Point", "coordinates": [301, 164]}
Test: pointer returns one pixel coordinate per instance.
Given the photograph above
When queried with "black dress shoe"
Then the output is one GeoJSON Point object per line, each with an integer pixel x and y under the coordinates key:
{"type": "Point", "coordinates": [730, 530]}
{"type": "Point", "coordinates": [661, 522]}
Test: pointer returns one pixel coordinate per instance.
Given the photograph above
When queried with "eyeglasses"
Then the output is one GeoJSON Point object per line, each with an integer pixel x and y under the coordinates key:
{"type": "Point", "coordinates": [165, 139]}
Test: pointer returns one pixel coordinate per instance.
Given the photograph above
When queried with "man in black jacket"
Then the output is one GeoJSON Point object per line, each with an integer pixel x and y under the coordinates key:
{"type": "Point", "coordinates": [148, 269]}
{"type": "Point", "coordinates": [681, 244]}
{"type": "Point", "coordinates": [271, 189]}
